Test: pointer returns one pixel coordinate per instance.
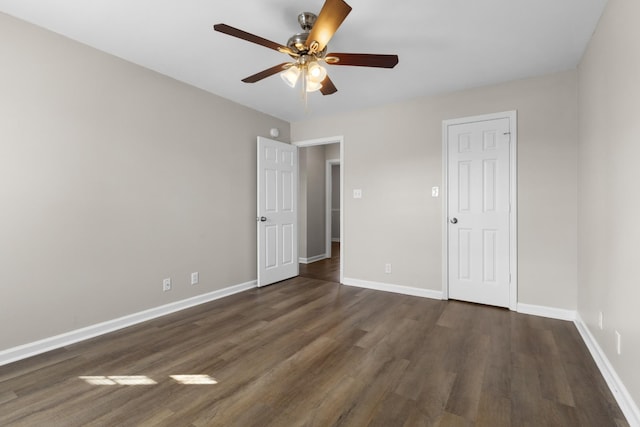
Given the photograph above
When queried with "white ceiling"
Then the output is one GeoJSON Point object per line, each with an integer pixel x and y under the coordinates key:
{"type": "Point", "coordinates": [443, 45]}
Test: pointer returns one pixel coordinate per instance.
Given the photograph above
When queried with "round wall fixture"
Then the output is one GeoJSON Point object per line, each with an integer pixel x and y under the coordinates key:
{"type": "Point", "coordinates": [274, 132]}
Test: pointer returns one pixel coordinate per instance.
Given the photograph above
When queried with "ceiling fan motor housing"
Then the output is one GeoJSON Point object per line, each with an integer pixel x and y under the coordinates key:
{"type": "Point", "coordinates": [297, 42]}
{"type": "Point", "coordinates": [306, 20]}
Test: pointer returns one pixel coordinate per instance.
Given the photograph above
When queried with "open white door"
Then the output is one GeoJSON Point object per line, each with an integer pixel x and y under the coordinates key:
{"type": "Point", "coordinates": [479, 210]}
{"type": "Point", "coordinates": [277, 211]}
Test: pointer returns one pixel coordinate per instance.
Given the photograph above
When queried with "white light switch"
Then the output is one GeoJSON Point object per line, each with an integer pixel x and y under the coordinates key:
{"type": "Point", "coordinates": [357, 193]}
{"type": "Point", "coordinates": [435, 191]}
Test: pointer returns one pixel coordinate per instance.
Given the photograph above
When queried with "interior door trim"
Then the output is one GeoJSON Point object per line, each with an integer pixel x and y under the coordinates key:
{"type": "Point", "coordinates": [513, 193]}
{"type": "Point", "coordinates": [323, 141]}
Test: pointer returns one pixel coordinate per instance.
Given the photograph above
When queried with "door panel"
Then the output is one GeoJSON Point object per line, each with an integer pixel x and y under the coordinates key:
{"type": "Point", "coordinates": [277, 211]}
{"type": "Point", "coordinates": [479, 200]}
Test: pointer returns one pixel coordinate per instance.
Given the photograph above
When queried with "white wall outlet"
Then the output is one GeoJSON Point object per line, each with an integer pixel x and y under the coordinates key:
{"type": "Point", "coordinates": [195, 278]}
{"type": "Point", "coordinates": [601, 321]}
{"type": "Point", "coordinates": [166, 284]}
{"type": "Point", "coordinates": [435, 191]}
{"type": "Point", "coordinates": [618, 342]}
{"type": "Point", "coordinates": [387, 268]}
{"type": "Point", "coordinates": [357, 193]}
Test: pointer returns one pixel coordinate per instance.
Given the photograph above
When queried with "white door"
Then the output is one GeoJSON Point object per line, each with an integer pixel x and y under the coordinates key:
{"type": "Point", "coordinates": [478, 169]}
{"type": "Point", "coordinates": [277, 211]}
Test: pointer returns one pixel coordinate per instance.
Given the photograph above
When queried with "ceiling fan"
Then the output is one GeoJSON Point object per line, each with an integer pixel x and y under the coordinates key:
{"type": "Point", "coordinates": [309, 49]}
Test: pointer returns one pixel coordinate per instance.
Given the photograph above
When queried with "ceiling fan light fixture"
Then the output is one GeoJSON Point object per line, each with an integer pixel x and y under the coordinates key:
{"type": "Point", "coordinates": [316, 73]}
{"type": "Point", "coordinates": [290, 77]}
{"type": "Point", "coordinates": [309, 50]}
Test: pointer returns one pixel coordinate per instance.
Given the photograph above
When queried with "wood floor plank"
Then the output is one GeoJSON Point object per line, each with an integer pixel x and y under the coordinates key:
{"type": "Point", "coordinates": [493, 411]}
{"type": "Point", "coordinates": [467, 388]}
{"type": "Point", "coordinates": [310, 352]}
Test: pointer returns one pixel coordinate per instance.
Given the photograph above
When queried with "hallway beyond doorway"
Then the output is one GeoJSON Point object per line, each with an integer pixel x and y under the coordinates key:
{"type": "Point", "coordinates": [327, 269]}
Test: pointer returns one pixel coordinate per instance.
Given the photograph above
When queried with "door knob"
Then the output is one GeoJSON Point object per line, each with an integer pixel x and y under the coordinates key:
{"type": "Point", "coordinates": [454, 220]}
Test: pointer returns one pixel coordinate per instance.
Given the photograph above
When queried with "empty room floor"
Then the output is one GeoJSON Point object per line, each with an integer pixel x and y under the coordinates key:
{"type": "Point", "coordinates": [315, 353]}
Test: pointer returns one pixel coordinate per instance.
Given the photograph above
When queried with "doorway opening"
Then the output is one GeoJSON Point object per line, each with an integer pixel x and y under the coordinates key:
{"type": "Point", "coordinates": [320, 217]}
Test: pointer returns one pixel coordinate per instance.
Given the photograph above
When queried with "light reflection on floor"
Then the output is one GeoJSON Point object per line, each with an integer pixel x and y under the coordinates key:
{"type": "Point", "coordinates": [145, 380]}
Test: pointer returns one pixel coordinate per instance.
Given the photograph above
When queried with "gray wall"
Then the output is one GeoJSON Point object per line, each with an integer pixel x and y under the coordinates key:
{"type": "Point", "coordinates": [609, 206]}
{"type": "Point", "coordinates": [335, 202]}
{"type": "Point", "coordinates": [302, 203]}
{"type": "Point", "coordinates": [113, 177]}
{"type": "Point", "coordinates": [311, 201]}
{"type": "Point", "coordinates": [394, 154]}
{"type": "Point", "coordinates": [332, 151]}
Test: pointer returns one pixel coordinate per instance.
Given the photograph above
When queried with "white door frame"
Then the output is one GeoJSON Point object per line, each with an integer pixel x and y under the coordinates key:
{"type": "Point", "coordinates": [328, 189]}
{"type": "Point", "coordinates": [325, 141]}
{"type": "Point", "coordinates": [513, 192]}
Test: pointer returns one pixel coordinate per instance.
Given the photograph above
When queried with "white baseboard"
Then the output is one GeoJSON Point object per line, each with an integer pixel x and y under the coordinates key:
{"type": "Point", "coordinates": [37, 347]}
{"type": "Point", "coordinates": [387, 287]}
{"type": "Point", "coordinates": [312, 259]}
{"type": "Point", "coordinates": [543, 311]}
{"type": "Point", "coordinates": [619, 391]}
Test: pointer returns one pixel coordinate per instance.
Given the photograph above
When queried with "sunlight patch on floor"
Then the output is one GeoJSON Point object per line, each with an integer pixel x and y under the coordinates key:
{"type": "Point", "coordinates": [194, 379]}
{"type": "Point", "coordinates": [144, 380]}
{"type": "Point", "coordinates": [118, 380]}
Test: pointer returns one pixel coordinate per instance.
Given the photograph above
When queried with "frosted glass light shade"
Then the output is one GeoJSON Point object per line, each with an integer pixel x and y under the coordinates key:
{"type": "Point", "coordinates": [313, 86]}
{"type": "Point", "coordinates": [316, 72]}
{"type": "Point", "coordinates": [290, 77]}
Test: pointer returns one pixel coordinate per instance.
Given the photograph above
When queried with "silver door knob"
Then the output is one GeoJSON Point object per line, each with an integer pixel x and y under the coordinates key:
{"type": "Point", "coordinates": [453, 220]}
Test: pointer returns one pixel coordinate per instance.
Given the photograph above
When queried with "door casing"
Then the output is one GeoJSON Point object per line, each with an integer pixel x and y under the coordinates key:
{"type": "Point", "coordinates": [325, 141]}
{"type": "Point", "coordinates": [513, 216]}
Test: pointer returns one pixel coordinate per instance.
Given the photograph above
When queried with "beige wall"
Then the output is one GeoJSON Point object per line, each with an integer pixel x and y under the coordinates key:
{"type": "Point", "coordinates": [609, 205]}
{"type": "Point", "coordinates": [394, 154]}
{"type": "Point", "coordinates": [113, 177]}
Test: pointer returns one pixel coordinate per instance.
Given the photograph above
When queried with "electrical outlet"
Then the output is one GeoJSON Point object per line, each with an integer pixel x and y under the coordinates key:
{"type": "Point", "coordinates": [618, 342]}
{"type": "Point", "coordinates": [387, 268]}
{"type": "Point", "coordinates": [195, 278]}
{"type": "Point", "coordinates": [601, 321]}
{"type": "Point", "coordinates": [166, 284]}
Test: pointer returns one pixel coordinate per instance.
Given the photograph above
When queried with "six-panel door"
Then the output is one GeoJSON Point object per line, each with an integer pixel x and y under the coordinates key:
{"type": "Point", "coordinates": [478, 208]}
{"type": "Point", "coordinates": [277, 211]}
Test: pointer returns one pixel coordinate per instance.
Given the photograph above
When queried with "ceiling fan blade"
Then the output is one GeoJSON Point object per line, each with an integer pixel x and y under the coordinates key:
{"type": "Point", "coordinates": [227, 29]}
{"type": "Point", "coordinates": [331, 16]}
{"type": "Point", "coordinates": [267, 73]}
{"type": "Point", "coordinates": [328, 87]}
{"type": "Point", "coordinates": [362, 60]}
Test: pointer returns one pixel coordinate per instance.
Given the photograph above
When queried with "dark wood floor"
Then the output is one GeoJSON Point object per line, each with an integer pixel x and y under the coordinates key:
{"type": "Point", "coordinates": [308, 352]}
{"type": "Point", "coordinates": [327, 269]}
